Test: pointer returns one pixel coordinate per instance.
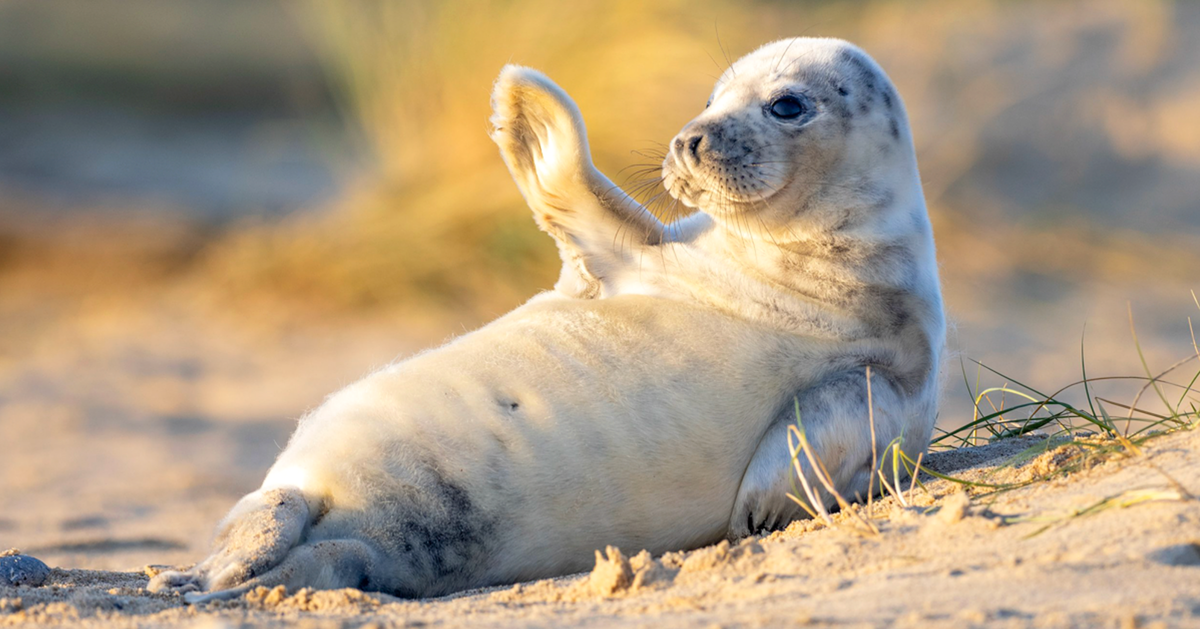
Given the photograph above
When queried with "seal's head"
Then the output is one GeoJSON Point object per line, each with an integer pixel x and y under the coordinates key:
{"type": "Point", "coordinates": [803, 134]}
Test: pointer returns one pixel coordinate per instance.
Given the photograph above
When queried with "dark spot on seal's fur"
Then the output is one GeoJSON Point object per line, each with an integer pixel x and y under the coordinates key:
{"type": "Point", "coordinates": [320, 514]}
{"type": "Point", "coordinates": [881, 198]}
{"type": "Point", "coordinates": [788, 316]}
{"type": "Point", "coordinates": [837, 391]}
{"type": "Point", "coordinates": [892, 316]}
{"type": "Point", "coordinates": [439, 534]}
{"type": "Point", "coordinates": [838, 107]}
{"type": "Point", "coordinates": [894, 127]}
{"type": "Point", "coordinates": [846, 221]}
{"type": "Point", "coordinates": [862, 70]}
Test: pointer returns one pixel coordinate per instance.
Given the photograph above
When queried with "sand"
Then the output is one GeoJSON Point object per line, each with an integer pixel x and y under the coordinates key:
{"type": "Point", "coordinates": [1022, 558]}
{"type": "Point", "coordinates": [131, 421]}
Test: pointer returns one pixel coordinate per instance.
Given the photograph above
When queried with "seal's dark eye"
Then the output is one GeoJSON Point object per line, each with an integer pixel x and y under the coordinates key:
{"type": "Point", "coordinates": [787, 107]}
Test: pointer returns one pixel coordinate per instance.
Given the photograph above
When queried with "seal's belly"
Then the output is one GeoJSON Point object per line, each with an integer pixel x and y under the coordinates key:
{"type": "Point", "coordinates": [628, 421]}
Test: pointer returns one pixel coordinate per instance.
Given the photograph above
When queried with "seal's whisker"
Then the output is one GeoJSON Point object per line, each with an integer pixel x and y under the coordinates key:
{"type": "Point", "coordinates": [720, 69]}
{"type": "Point", "coordinates": [637, 169]}
{"type": "Point", "coordinates": [775, 67]}
{"type": "Point", "coordinates": [723, 52]}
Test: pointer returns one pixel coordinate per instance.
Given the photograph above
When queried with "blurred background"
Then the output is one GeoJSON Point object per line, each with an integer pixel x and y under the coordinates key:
{"type": "Point", "coordinates": [214, 213]}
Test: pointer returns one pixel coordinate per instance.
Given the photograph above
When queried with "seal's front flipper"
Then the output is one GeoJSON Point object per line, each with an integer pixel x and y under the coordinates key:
{"type": "Point", "coordinates": [597, 226]}
{"type": "Point", "coordinates": [836, 417]}
{"type": "Point", "coordinates": [254, 538]}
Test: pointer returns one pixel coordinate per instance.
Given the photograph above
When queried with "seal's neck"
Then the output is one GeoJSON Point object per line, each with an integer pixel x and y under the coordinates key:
{"type": "Point", "coordinates": [864, 210]}
{"type": "Point", "coordinates": [869, 233]}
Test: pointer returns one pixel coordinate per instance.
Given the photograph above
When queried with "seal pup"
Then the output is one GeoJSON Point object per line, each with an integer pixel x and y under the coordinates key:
{"type": "Point", "coordinates": [643, 402]}
{"type": "Point", "coordinates": [811, 221]}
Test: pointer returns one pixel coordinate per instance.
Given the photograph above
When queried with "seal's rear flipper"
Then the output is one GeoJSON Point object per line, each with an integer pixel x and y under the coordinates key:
{"type": "Point", "coordinates": [254, 538]}
{"type": "Point", "coordinates": [324, 565]}
{"type": "Point", "coordinates": [200, 598]}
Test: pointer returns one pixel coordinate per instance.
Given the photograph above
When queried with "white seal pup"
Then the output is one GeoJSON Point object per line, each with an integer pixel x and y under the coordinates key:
{"type": "Point", "coordinates": [643, 403]}
{"type": "Point", "coordinates": [811, 222]}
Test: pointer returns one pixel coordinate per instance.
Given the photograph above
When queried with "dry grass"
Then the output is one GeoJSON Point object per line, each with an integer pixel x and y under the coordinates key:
{"type": "Point", "coordinates": [436, 219]}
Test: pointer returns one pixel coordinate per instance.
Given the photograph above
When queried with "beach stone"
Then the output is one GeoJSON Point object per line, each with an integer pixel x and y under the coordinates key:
{"type": "Point", "coordinates": [23, 570]}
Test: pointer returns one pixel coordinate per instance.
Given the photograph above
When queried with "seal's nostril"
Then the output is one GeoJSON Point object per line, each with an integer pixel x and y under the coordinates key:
{"type": "Point", "coordinates": [679, 144]}
{"type": "Point", "coordinates": [694, 145]}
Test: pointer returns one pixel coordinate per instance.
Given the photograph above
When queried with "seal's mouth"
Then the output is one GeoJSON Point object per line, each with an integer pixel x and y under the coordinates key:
{"type": "Point", "coordinates": [723, 189]}
{"type": "Point", "coordinates": [679, 185]}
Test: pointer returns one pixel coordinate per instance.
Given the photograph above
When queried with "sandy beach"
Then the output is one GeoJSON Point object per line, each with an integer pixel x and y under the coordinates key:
{"type": "Point", "coordinates": [1031, 557]}
{"type": "Point", "coordinates": [129, 431]}
{"type": "Point", "coordinates": [213, 215]}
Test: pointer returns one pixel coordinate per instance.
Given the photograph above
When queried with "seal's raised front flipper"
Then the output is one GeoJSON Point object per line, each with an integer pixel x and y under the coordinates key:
{"type": "Point", "coordinates": [598, 227]}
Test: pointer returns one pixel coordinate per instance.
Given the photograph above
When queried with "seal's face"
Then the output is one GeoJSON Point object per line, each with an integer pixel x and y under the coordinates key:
{"type": "Point", "coordinates": [794, 122]}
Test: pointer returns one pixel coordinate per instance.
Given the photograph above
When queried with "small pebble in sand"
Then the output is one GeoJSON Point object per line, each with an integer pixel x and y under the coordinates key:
{"type": "Point", "coordinates": [17, 569]}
